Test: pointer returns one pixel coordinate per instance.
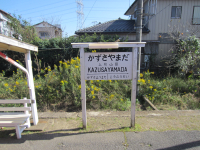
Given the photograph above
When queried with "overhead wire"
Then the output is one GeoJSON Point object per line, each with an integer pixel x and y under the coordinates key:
{"type": "Point", "coordinates": [66, 13]}
{"type": "Point", "coordinates": [58, 12]}
{"type": "Point", "coordinates": [53, 13]}
{"type": "Point", "coordinates": [47, 9]}
{"type": "Point", "coordinates": [32, 18]}
{"type": "Point", "coordinates": [161, 11]}
{"type": "Point", "coordinates": [155, 15]}
{"type": "Point", "coordinates": [43, 5]}
{"type": "Point", "coordinates": [88, 14]}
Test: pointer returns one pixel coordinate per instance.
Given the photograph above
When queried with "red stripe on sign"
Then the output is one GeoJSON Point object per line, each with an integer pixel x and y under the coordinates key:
{"type": "Point", "coordinates": [3, 55]}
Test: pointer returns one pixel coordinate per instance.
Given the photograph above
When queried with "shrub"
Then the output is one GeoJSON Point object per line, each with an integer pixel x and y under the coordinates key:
{"type": "Point", "coordinates": [177, 92]}
{"type": "Point", "coordinates": [62, 85]}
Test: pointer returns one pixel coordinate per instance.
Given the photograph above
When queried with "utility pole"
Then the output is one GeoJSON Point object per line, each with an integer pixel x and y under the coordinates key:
{"type": "Point", "coordinates": [139, 36]}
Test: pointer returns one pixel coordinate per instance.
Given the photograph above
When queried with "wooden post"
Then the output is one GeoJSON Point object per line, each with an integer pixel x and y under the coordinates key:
{"type": "Point", "coordinates": [83, 90]}
{"type": "Point", "coordinates": [134, 86]}
{"type": "Point", "coordinates": [32, 88]}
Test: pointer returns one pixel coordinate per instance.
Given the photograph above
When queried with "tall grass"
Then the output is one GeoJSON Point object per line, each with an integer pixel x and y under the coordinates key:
{"type": "Point", "coordinates": [61, 87]}
{"type": "Point", "coordinates": [174, 91]}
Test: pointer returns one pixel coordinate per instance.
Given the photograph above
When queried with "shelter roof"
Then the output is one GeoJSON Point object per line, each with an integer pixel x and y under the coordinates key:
{"type": "Point", "coordinates": [8, 43]}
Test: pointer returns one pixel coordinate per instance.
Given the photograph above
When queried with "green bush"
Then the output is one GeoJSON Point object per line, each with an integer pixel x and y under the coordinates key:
{"type": "Point", "coordinates": [178, 92]}
{"type": "Point", "coordinates": [62, 86]}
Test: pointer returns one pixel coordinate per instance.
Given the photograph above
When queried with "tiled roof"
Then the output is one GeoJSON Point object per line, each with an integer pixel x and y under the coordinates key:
{"type": "Point", "coordinates": [113, 26]}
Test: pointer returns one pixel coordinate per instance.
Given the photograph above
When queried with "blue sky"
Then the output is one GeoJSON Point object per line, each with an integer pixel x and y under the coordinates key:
{"type": "Point", "coordinates": [64, 11]}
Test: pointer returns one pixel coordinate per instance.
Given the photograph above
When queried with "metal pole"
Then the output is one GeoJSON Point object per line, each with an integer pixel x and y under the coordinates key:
{"type": "Point", "coordinates": [139, 36]}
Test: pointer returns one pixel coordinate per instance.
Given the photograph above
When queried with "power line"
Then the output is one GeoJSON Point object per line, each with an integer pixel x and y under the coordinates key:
{"type": "Point", "coordinates": [159, 12]}
{"type": "Point", "coordinates": [155, 15]}
{"type": "Point", "coordinates": [55, 12]}
{"type": "Point", "coordinates": [47, 9]}
{"type": "Point", "coordinates": [70, 19]}
{"type": "Point", "coordinates": [43, 5]}
{"type": "Point", "coordinates": [110, 10]}
{"type": "Point", "coordinates": [89, 13]}
{"type": "Point", "coordinates": [74, 8]}
{"type": "Point", "coordinates": [105, 7]}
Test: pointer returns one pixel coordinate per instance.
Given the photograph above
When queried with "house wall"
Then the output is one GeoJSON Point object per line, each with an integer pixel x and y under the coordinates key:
{"type": "Point", "coordinates": [1, 23]}
{"type": "Point", "coordinates": [47, 28]}
{"type": "Point", "coordinates": [162, 24]}
{"type": "Point", "coordinates": [4, 28]}
{"type": "Point", "coordinates": [164, 53]}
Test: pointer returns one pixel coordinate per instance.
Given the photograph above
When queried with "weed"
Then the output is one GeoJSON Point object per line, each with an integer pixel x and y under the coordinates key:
{"type": "Point", "coordinates": [60, 87]}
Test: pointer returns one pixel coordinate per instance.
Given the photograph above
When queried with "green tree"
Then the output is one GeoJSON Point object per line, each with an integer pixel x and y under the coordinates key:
{"type": "Point", "coordinates": [188, 54]}
{"type": "Point", "coordinates": [22, 29]}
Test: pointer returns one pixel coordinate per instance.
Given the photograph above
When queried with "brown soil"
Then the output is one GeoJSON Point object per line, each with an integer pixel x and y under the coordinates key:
{"type": "Point", "coordinates": [100, 122]}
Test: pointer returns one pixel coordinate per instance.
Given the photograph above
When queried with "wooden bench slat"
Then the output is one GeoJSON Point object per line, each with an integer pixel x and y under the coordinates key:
{"type": "Point", "coordinates": [14, 119]}
{"type": "Point", "coordinates": [11, 113]}
{"type": "Point", "coordinates": [14, 116]}
{"type": "Point", "coordinates": [7, 124]}
{"type": "Point", "coordinates": [18, 122]}
{"type": "Point", "coordinates": [17, 101]}
{"type": "Point", "coordinates": [15, 108]}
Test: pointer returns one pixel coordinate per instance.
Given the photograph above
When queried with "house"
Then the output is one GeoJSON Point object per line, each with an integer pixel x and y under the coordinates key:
{"type": "Point", "coordinates": [160, 19]}
{"type": "Point", "coordinates": [4, 24]}
{"type": "Point", "coordinates": [180, 18]}
{"type": "Point", "coordinates": [46, 30]}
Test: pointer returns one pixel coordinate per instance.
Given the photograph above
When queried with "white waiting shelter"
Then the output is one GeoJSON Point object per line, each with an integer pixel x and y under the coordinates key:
{"type": "Point", "coordinates": [98, 66]}
{"type": "Point", "coordinates": [11, 44]}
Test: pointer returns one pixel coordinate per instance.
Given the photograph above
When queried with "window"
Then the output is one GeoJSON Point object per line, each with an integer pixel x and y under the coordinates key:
{"type": "Point", "coordinates": [196, 17]}
{"type": "Point", "coordinates": [4, 24]}
{"type": "Point", "coordinates": [44, 34]}
{"type": "Point", "coordinates": [176, 12]}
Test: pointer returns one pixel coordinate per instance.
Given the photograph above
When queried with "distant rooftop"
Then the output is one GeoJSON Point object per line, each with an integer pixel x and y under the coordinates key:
{"type": "Point", "coordinates": [113, 26]}
{"type": "Point", "coordinates": [56, 25]}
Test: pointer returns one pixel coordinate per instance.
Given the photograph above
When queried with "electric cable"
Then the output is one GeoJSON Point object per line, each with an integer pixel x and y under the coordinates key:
{"type": "Point", "coordinates": [88, 14]}
{"type": "Point", "coordinates": [43, 5]}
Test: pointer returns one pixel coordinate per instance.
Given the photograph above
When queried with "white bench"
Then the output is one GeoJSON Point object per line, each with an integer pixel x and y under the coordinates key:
{"type": "Point", "coordinates": [17, 117]}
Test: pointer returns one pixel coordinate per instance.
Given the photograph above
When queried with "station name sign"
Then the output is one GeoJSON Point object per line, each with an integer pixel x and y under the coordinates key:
{"type": "Point", "coordinates": [108, 66]}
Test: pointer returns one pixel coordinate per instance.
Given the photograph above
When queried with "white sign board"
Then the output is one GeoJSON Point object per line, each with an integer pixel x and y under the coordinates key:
{"type": "Point", "coordinates": [108, 66]}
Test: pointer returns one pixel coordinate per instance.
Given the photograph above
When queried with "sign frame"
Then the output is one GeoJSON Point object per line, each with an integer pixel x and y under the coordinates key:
{"type": "Point", "coordinates": [108, 66]}
{"type": "Point", "coordinates": [109, 45]}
